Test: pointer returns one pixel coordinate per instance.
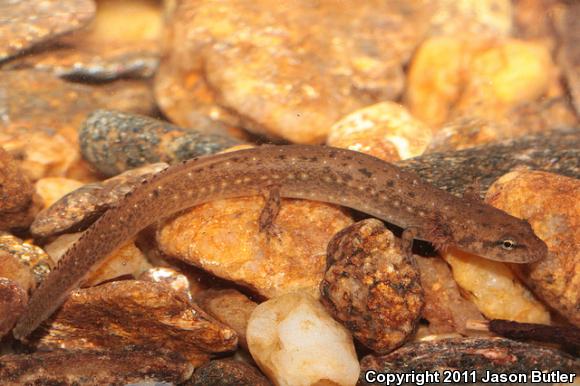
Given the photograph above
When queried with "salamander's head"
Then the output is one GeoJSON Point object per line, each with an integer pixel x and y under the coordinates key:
{"type": "Point", "coordinates": [502, 237]}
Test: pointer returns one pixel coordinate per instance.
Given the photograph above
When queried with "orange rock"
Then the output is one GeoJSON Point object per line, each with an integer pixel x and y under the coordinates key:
{"type": "Point", "coordinates": [223, 238]}
{"type": "Point", "coordinates": [551, 204]}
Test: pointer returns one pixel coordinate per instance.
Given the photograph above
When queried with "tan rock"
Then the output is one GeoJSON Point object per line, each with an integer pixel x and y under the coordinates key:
{"type": "Point", "coordinates": [452, 76]}
{"type": "Point", "coordinates": [494, 288]}
{"type": "Point", "coordinates": [23, 262]}
{"type": "Point", "coordinates": [18, 204]}
{"type": "Point", "coordinates": [286, 71]}
{"type": "Point", "coordinates": [230, 307]}
{"type": "Point", "coordinates": [297, 343]}
{"type": "Point", "coordinates": [223, 238]}
{"type": "Point", "coordinates": [551, 204]}
{"type": "Point", "coordinates": [136, 313]}
{"type": "Point", "coordinates": [52, 189]}
{"type": "Point", "coordinates": [13, 299]}
{"type": "Point", "coordinates": [445, 309]}
{"type": "Point", "coordinates": [125, 261]}
{"type": "Point", "coordinates": [385, 130]}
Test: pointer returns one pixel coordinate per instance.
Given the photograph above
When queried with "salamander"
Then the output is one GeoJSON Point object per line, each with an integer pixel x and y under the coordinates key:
{"type": "Point", "coordinates": [332, 175]}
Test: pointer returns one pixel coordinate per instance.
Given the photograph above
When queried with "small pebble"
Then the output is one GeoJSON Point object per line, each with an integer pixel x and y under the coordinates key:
{"type": "Point", "coordinates": [494, 288]}
{"type": "Point", "coordinates": [13, 300]}
{"type": "Point", "coordinates": [230, 307]}
{"type": "Point", "coordinates": [77, 210]}
{"type": "Point", "coordinates": [170, 277]}
{"type": "Point", "coordinates": [297, 343]}
{"type": "Point", "coordinates": [551, 204]}
{"type": "Point", "coordinates": [227, 372]}
{"type": "Point", "coordinates": [18, 204]}
{"type": "Point", "coordinates": [136, 313]}
{"type": "Point", "coordinates": [25, 263]}
{"type": "Point", "coordinates": [385, 130]}
{"type": "Point", "coordinates": [453, 75]}
{"type": "Point", "coordinates": [371, 286]}
{"type": "Point", "coordinates": [90, 367]}
{"type": "Point", "coordinates": [445, 309]}
{"type": "Point", "coordinates": [26, 23]}
{"type": "Point", "coordinates": [114, 142]}
{"type": "Point", "coordinates": [52, 189]}
{"type": "Point", "coordinates": [223, 238]}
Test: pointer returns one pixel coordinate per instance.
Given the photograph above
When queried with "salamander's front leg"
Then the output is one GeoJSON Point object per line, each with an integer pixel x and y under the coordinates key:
{"type": "Point", "coordinates": [270, 212]}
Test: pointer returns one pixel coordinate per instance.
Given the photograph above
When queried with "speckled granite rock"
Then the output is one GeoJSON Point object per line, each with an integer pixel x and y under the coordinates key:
{"type": "Point", "coordinates": [551, 204]}
{"type": "Point", "coordinates": [114, 142]}
{"type": "Point", "coordinates": [555, 152]}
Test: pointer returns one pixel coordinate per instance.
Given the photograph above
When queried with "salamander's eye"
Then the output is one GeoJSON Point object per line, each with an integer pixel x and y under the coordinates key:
{"type": "Point", "coordinates": [508, 244]}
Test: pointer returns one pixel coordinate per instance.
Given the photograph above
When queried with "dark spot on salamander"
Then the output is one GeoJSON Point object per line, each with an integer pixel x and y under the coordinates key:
{"type": "Point", "coordinates": [411, 194]}
{"type": "Point", "coordinates": [235, 159]}
{"type": "Point", "coordinates": [366, 172]}
{"type": "Point", "coordinates": [156, 193]}
{"type": "Point", "coordinates": [313, 159]}
{"type": "Point", "coordinates": [282, 157]}
{"type": "Point", "coordinates": [391, 183]}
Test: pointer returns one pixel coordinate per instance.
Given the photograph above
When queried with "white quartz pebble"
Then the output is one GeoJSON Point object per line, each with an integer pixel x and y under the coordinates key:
{"type": "Point", "coordinates": [297, 343]}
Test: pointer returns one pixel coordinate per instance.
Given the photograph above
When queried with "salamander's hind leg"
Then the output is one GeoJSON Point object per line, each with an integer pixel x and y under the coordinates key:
{"type": "Point", "coordinates": [270, 212]}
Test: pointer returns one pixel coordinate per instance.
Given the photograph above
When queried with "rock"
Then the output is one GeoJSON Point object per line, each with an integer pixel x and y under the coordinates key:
{"type": "Point", "coordinates": [297, 343]}
{"type": "Point", "coordinates": [52, 189]}
{"type": "Point", "coordinates": [372, 286]}
{"type": "Point", "coordinates": [223, 237]}
{"type": "Point", "coordinates": [570, 56]}
{"type": "Point", "coordinates": [385, 130]}
{"type": "Point", "coordinates": [13, 300]}
{"type": "Point", "coordinates": [138, 313]}
{"type": "Point", "coordinates": [496, 355]}
{"type": "Point", "coordinates": [453, 76]}
{"type": "Point", "coordinates": [551, 204]}
{"type": "Point", "coordinates": [445, 309]}
{"type": "Point", "coordinates": [114, 142]}
{"type": "Point", "coordinates": [227, 372]}
{"type": "Point", "coordinates": [292, 81]}
{"type": "Point", "coordinates": [18, 203]}
{"type": "Point", "coordinates": [38, 100]}
{"type": "Point", "coordinates": [555, 152]}
{"type": "Point", "coordinates": [495, 289]}
{"type": "Point", "coordinates": [22, 262]}
{"type": "Point", "coordinates": [125, 261]}
{"type": "Point", "coordinates": [171, 278]}
{"type": "Point", "coordinates": [79, 209]}
{"type": "Point", "coordinates": [230, 307]}
{"type": "Point", "coordinates": [26, 23]}
{"type": "Point", "coordinates": [491, 18]}
{"type": "Point", "coordinates": [127, 365]}
{"type": "Point", "coordinates": [111, 47]}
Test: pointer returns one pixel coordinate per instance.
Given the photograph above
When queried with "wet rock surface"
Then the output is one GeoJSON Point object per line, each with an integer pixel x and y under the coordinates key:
{"type": "Point", "coordinates": [94, 367]}
{"type": "Point", "coordinates": [556, 152]}
{"type": "Point", "coordinates": [26, 23]}
{"type": "Point", "coordinates": [292, 81]}
{"type": "Point", "coordinates": [480, 354]}
{"type": "Point", "coordinates": [551, 204]}
{"type": "Point", "coordinates": [80, 208]}
{"type": "Point", "coordinates": [114, 142]}
{"type": "Point", "coordinates": [114, 315]}
{"type": "Point", "coordinates": [372, 286]}
{"type": "Point", "coordinates": [223, 237]}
